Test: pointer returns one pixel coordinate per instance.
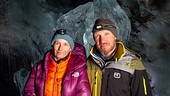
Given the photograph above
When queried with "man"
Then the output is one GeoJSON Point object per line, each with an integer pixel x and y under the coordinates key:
{"type": "Point", "coordinates": [114, 70]}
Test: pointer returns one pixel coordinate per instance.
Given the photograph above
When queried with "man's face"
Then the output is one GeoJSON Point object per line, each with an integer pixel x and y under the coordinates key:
{"type": "Point", "coordinates": [61, 49]}
{"type": "Point", "coordinates": [105, 42]}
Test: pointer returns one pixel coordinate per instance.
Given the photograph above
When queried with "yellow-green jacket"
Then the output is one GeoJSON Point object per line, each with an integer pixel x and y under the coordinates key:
{"type": "Point", "coordinates": [124, 75]}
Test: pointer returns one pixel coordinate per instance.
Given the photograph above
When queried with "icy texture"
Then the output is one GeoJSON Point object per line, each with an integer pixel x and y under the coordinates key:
{"type": "Point", "coordinates": [25, 37]}
{"type": "Point", "coordinates": [20, 78]}
{"type": "Point", "coordinates": [79, 22]}
{"type": "Point", "coordinates": [154, 35]}
{"type": "Point", "coordinates": [157, 48]}
{"type": "Point", "coordinates": [110, 9]}
{"type": "Point", "coordinates": [28, 23]}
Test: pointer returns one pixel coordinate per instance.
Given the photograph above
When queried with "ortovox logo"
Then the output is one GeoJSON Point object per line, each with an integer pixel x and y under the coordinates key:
{"type": "Point", "coordinates": [117, 75]}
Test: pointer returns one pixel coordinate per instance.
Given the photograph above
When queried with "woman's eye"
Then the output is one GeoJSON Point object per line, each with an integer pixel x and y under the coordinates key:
{"type": "Point", "coordinates": [56, 43]}
{"type": "Point", "coordinates": [65, 44]}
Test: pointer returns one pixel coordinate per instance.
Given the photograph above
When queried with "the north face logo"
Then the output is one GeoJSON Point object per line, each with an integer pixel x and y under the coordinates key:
{"type": "Point", "coordinates": [75, 74]}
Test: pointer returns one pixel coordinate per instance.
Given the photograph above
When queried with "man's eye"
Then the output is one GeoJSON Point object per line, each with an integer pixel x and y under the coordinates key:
{"type": "Point", "coordinates": [96, 36]}
{"type": "Point", "coordinates": [107, 34]}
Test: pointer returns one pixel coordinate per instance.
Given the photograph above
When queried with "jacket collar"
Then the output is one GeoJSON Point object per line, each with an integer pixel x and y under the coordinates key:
{"type": "Point", "coordinates": [78, 55]}
{"type": "Point", "coordinates": [119, 53]}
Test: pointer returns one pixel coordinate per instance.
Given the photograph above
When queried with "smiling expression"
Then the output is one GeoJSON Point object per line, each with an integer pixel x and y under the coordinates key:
{"type": "Point", "coordinates": [61, 49]}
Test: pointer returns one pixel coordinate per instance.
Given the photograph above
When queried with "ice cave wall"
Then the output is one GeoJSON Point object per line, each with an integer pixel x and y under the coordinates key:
{"type": "Point", "coordinates": [27, 26]}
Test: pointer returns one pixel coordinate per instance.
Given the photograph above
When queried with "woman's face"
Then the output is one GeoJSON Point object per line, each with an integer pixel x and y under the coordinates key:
{"type": "Point", "coordinates": [105, 42]}
{"type": "Point", "coordinates": [61, 49]}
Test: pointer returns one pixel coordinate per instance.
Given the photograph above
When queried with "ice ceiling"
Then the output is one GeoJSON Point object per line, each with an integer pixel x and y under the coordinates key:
{"type": "Point", "coordinates": [26, 28]}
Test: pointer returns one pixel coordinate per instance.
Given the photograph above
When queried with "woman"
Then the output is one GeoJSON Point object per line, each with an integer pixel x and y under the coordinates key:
{"type": "Point", "coordinates": [62, 72]}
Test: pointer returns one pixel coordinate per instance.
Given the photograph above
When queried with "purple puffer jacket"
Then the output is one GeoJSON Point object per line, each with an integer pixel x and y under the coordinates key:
{"type": "Point", "coordinates": [75, 82]}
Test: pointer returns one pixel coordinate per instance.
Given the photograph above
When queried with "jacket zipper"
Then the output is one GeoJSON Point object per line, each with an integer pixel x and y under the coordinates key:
{"type": "Point", "coordinates": [55, 79]}
{"type": "Point", "coordinates": [144, 86]}
{"type": "Point", "coordinates": [96, 84]}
